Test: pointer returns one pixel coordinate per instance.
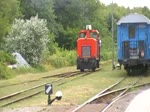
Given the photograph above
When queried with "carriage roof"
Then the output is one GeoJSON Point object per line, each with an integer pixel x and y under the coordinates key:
{"type": "Point", "coordinates": [134, 18]}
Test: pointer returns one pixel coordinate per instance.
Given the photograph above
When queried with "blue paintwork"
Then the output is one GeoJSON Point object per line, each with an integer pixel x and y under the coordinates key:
{"type": "Point", "coordinates": [142, 32]}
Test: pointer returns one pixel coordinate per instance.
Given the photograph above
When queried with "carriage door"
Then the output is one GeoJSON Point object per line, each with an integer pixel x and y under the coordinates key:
{"type": "Point", "coordinates": [125, 41]}
{"type": "Point", "coordinates": [126, 49]}
{"type": "Point", "coordinates": [142, 38]}
{"type": "Point", "coordinates": [133, 39]}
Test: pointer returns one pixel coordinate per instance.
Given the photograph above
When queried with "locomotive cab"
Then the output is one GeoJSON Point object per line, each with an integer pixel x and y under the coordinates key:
{"type": "Point", "coordinates": [88, 50]}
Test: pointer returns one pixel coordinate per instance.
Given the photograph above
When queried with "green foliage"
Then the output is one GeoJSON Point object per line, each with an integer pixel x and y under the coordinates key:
{"type": "Point", "coordinates": [71, 57]}
{"type": "Point", "coordinates": [62, 58]}
{"type": "Point", "coordinates": [57, 62]}
{"type": "Point", "coordinates": [5, 72]}
{"type": "Point", "coordinates": [70, 12]}
{"type": "Point", "coordinates": [67, 38]}
{"type": "Point", "coordinates": [9, 10]}
{"type": "Point", "coordinates": [107, 49]}
{"type": "Point", "coordinates": [6, 58]}
{"type": "Point", "coordinates": [52, 45]}
{"type": "Point", "coordinates": [105, 55]}
{"type": "Point", "coordinates": [75, 15]}
{"type": "Point", "coordinates": [60, 21]}
{"type": "Point", "coordinates": [44, 9]}
{"type": "Point", "coordinates": [30, 38]}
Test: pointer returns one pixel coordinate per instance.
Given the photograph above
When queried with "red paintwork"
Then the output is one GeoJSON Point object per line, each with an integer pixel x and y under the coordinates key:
{"type": "Point", "coordinates": [88, 41]}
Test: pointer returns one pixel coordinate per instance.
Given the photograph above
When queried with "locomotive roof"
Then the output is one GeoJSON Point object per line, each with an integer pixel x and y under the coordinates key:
{"type": "Point", "coordinates": [134, 18]}
{"type": "Point", "coordinates": [93, 30]}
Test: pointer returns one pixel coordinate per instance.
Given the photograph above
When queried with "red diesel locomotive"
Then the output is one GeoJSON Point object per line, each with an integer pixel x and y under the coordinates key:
{"type": "Point", "coordinates": [88, 49]}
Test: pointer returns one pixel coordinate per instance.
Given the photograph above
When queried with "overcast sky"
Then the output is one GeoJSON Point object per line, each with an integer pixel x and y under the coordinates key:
{"type": "Point", "coordinates": [129, 3]}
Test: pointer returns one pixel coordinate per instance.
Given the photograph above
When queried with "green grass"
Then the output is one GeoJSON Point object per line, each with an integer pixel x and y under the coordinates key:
{"type": "Point", "coordinates": [25, 78]}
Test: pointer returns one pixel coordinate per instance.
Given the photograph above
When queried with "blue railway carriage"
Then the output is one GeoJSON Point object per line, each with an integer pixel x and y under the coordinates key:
{"type": "Point", "coordinates": [133, 38]}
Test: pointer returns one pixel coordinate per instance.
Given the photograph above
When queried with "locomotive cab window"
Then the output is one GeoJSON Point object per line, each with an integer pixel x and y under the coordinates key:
{"type": "Point", "coordinates": [131, 31]}
{"type": "Point", "coordinates": [93, 34]}
{"type": "Point", "coordinates": [82, 35]}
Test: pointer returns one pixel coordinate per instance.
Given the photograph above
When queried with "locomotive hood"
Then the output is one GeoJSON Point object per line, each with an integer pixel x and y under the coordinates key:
{"type": "Point", "coordinates": [134, 18]}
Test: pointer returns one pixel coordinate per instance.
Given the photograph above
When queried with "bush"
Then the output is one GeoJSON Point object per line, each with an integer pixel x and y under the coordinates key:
{"type": "Point", "coordinates": [105, 55]}
{"type": "Point", "coordinates": [57, 61]}
{"type": "Point", "coordinates": [30, 38]}
{"type": "Point", "coordinates": [62, 58]}
{"type": "Point", "coordinates": [5, 72]}
{"type": "Point", "coordinates": [70, 57]}
{"type": "Point", "coordinates": [6, 58]}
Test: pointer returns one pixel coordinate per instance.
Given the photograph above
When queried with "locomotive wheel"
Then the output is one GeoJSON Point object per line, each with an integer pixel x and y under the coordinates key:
{"type": "Point", "coordinates": [93, 69]}
{"type": "Point", "coordinates": [97, 63]}
{"type": "Point", "coordinates": [81, 70]}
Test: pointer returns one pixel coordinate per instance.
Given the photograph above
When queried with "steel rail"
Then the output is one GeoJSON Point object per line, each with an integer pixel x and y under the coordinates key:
{"type": "Point", "coordinates": [22, 91]}
{"type": "Point", "coordinates": [36, 93]}
{"type": "Point", "coordinates": [17, 100]}
{"type": "Point", "coordinates": [119, 96]}
{"type": "Point", "coordinates": [99, 95]}
{"type": "Point", "coordinates": [93, 98]}
{"type": "Point", "coordinates": [49, 76]}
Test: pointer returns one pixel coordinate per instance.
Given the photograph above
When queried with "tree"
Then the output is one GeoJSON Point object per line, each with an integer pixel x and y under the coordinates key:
{"type": "Point", "coordinates": [70, 13]}
{"type": "Point", "coordinates": [75, 15]}
{"type": "Point", "coordinates": [9, 10]}
{"type": "Point", "coordinates": [30, 38]}
{"type": "Point", "coordinates": [44, 9]}
{"type": "Point", "coordinates": [146, 11]}
{"type": "Point", "coordinates": [67, 38]}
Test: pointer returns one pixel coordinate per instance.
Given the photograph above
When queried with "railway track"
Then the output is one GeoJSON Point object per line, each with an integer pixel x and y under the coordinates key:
{"type": "Point", "coordinates": [35, 90]}
{"type": "Point", "coordinates": [109, 96]}
{"type": "Point", "coordinates": [44, 77]}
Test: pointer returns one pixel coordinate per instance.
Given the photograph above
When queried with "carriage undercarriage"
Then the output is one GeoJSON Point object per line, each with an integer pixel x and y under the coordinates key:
{"type": "Point", "coordinates": [135, 67]}
{"type": "Point", "coordinates": [136, 70]}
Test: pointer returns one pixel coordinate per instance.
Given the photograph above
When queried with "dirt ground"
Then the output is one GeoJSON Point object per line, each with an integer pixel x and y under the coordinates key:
{"type": "Point", "coordinates": [119, 106]}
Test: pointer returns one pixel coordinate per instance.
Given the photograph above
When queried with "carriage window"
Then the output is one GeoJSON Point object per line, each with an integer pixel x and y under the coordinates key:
{"type": "Point", "coordinates": [131, 31]}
